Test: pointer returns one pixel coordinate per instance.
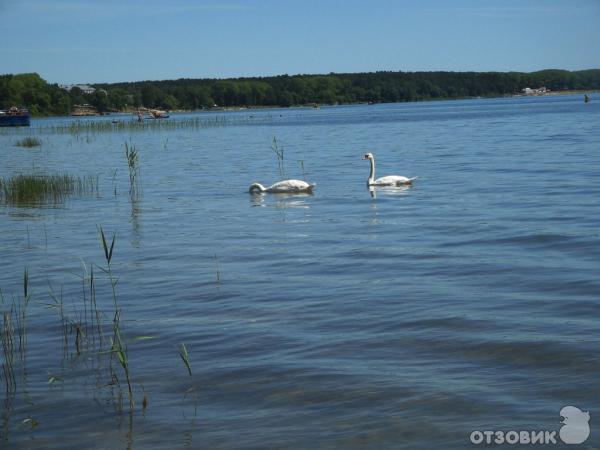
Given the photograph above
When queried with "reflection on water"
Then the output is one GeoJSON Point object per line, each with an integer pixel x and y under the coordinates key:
{"type": "Point", "coordinates": [136, 227]}
{"type": "Point", "coordinates": [388, 190]}
{"type": "Point", "coordinates": [281, 201]}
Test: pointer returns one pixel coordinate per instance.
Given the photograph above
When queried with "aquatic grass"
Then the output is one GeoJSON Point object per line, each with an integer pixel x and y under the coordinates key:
{"type": "Point", "coordinates": [94, 306]}
{"type": "Point", "coordinates": [119, 348]}
{"type": "Point", "coordinates": [34, 189]}
{"type": "Point", "coordinates": [185, 357]}
{"type": "Point", "coordinates": [21, 315]}
{"type": "Point", "coordinates": [14, 331]}
{"type": "Point", "coordinates": [29, 142]}
{"type": "Point", "coordinates": [8, 351]}
{"type": "Point", "coordinates": [301, 161]}
{"type": "Point", "coordinates": [279, 152]}
{"type": "Point", "coordinates": [80, 127]}
{"type": "Point", "coordinates": [80, 330]}
{"type": "Point", "coordinates": [107, 251]}
{"type": "Point", "coordinates": [132, 156]}
{"type": "Point", "coordinates": [118, 345]}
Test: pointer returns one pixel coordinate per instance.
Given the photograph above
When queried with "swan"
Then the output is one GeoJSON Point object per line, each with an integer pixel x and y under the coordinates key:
{"type": "Point", "coordinates": [390, 180]}
{"type": "Point", "coordinates": [283, 187]}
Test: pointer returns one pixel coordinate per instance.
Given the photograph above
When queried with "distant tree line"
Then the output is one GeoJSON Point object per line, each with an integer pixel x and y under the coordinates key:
{"type": "Point", "coordinates": [31, 91]}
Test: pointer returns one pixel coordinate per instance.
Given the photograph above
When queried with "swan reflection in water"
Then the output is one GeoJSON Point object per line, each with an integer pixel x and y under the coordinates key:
{"type": "Point", "coordinates": [388, 190]}
{"type": "Point", "coordinates": [281, 201]}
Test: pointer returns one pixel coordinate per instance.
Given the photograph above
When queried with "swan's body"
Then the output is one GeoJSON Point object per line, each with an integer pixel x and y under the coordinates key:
{"type": "Point", "coordinates": [283, 187]}
{"type": "Point", "coordinates": [390, 180]}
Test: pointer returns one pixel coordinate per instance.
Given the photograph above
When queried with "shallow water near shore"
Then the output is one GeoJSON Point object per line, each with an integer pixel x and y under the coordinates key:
{"type": "Point", "coordinates": [345, 319]}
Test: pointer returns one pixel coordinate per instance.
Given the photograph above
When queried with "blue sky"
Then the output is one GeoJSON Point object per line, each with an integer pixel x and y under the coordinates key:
{"type": "Point", "coordinates": [68, 41]}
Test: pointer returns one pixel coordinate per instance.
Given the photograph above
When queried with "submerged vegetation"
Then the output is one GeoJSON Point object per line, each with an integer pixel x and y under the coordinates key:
{"type": "Point", "coordinates": [24, 190]}
{"type": "Point", "coordinates": [31, 91]}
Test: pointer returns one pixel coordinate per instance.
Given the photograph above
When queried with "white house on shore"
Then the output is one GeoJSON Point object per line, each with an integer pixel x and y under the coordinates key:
{"type": "Point", "coordinates": [538, 91]}
{"type": "Point", "coordinates": [85, 88]}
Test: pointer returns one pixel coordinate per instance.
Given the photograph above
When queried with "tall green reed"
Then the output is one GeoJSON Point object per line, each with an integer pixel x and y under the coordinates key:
{"type": "Point", "coordinates": [118, 344]}
{"type": "Point", "coordinates": [132, 156]}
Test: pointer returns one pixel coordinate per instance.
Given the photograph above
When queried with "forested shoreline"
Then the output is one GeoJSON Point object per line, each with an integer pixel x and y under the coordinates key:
{"type": "Point", "coordinates": [42, 98]}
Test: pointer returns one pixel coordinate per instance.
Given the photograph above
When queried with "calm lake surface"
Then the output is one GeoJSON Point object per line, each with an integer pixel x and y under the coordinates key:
{"type": "Point", "coordinates": [347, 319]}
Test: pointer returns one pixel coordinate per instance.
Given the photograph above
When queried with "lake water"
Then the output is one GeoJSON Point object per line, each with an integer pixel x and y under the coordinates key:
{"type": "Point", "coordinates": [347, 319]}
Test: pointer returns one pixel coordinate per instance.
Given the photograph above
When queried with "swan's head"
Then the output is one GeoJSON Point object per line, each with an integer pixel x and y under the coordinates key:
{"type": "Point", "coordinates": [256, 188]}
{"type": "Point", "coordinates": [368, 156]}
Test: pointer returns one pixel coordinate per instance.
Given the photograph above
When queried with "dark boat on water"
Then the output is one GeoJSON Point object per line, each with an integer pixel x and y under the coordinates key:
{"type": "Point", "coordinates": [14, 117]}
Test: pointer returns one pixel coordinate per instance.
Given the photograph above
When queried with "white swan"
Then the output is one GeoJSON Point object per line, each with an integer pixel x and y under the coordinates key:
{"type": "Point", "coordinates": [390, 180]}
{"type": "Point", "coordinates": [283, 187]}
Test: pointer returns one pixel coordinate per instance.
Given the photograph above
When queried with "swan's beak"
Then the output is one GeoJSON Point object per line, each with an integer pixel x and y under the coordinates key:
{"type": "Point", "coordinates": [365, 157]}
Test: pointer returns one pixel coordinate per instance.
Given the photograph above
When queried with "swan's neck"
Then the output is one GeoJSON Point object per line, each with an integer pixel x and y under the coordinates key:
{"type": "Point", "coordinates": [372, 174]}
{"type": "Point", "coordinates": [256, 187]}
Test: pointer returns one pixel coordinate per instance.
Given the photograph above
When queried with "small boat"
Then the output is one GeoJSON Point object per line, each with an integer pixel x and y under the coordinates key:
{"type": "Point", "coordinates": [14, 117]}
{"type": "Point", "coordinates": [157, 114]}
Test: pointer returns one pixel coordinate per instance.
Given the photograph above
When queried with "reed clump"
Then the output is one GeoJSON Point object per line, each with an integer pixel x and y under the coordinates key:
{"type": "Point", "coordinates": [32, 189]}
{"type": "Point", "coordinates": [29, 142]}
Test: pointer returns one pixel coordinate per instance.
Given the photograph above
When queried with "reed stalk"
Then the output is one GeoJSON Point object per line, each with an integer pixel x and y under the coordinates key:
{"type": "Point", "coordinates": [133, 163]}
{"type": "Point", "coordinates": [118, 345]}
{"type": "Point", "coordinates": [185, 357]}
{"type": "Point", "coordinates": [279, 153]}
{"type": "Point", "coordinates": [8, 351]}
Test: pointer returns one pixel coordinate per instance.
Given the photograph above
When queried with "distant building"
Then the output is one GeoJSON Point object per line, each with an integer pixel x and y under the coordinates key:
{"type": "Point", "coordinates": [84, 110]}
{"type": "Point", "coordinates": [538, 91]}
{"type": "Point", "coordinates": [85, 88]}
